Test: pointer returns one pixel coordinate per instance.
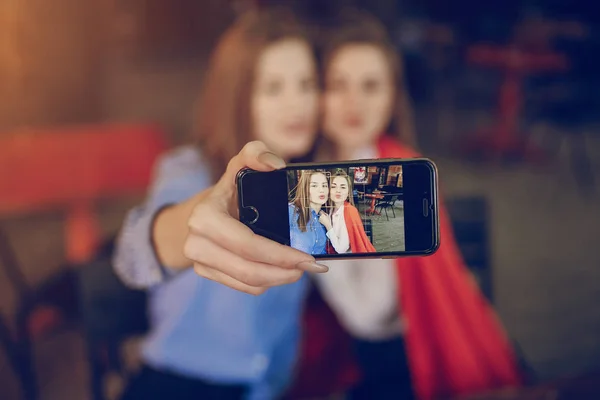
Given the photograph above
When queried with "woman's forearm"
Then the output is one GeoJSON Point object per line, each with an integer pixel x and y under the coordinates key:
{"type": "Point", "coordinates": [170, 231]}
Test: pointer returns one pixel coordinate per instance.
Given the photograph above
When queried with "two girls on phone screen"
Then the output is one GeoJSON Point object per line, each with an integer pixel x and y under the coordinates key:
{"type": "Point", "coordinates": [322, 215]}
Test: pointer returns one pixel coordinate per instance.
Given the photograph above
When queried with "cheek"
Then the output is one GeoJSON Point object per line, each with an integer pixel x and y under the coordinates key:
{"type": "Point", "coordinates": [312, 106]}
{"type": "Point", "coordinates": [333, 112]}
{"type": "Point", "coordinates": [332, 108]}
{"type": "Point", "coordinates": [263, 112]}
{"type": "Point", "coordinates": [380, 110]}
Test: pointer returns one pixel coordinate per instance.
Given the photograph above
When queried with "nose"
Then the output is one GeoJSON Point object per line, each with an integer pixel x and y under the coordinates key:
{"type": "Point", "coordinates": [293, 100]}
{"type": "Point", "coordinates": [352, 100]}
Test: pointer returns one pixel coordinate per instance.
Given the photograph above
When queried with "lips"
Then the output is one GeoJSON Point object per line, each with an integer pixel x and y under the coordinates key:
{"type": "Point", "coordinates": [353, 122]}
{"type": "Point", "coordinates": [321, 197]}
{"type": "Point", "coordinates": [296, 127]}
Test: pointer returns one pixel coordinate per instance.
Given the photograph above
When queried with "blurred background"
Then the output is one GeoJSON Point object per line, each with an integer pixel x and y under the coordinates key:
{"type": "Point", "coordinates": [506, 100]}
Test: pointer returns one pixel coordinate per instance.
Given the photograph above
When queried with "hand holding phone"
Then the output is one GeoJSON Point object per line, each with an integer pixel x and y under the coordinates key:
{"type": "Point", "coordinates": [361, 209]}
{"type": "Point", "coordinates": [224, 250]}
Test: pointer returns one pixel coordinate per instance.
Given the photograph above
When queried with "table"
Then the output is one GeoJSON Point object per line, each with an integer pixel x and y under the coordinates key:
{"type": "Point", "coordinates": [374, 197]}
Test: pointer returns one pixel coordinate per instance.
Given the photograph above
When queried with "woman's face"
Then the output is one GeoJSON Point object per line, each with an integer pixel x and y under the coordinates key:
{"type": "Point", "coordinates": [285, 98]}
{"type": "Point", "coordinates": [339, 189]}
{"type": "Point", "coordinates": [359, 95]}
{"type": "Point", "coordinates": [318, 189]}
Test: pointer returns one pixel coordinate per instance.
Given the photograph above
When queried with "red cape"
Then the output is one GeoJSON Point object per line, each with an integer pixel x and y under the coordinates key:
{"type": "Point", "coordinates": [359, 241]}
{"type": "Point", "coordinates": [455, 343]}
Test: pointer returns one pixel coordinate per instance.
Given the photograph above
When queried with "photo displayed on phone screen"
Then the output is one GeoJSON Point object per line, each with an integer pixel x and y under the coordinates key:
{"type": "Point", "coordinates": [357, 209]}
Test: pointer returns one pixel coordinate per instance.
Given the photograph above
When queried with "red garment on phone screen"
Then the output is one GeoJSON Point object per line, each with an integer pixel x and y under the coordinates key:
{"type": "Point", "coordinates": [359, 241]}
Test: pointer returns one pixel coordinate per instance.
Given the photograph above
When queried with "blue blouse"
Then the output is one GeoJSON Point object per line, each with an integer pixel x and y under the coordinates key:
{"type": "Point", "coordinates": [314, 240]}
{"type": "Point", "coordinates": [199, 328]}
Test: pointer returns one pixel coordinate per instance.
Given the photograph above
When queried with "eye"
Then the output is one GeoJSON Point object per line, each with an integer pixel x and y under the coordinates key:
{"type": "Point", "coordinates": [308, 85]}
{"type": "Point", "coordinates": [273, 88]}
{"type": "Point", "coordinates": [371, 86]}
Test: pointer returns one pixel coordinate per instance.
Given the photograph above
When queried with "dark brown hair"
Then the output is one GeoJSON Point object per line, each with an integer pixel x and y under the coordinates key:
{"type": "Point", "coordinates": [358, 27]}
{"type": "Point", "coordinates": [223, 123]}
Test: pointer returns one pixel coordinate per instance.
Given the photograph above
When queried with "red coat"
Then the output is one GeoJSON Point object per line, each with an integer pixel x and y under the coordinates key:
{"type": "Point", "coordinates": [359, 241]}
{"type": "Point", "coordinates": [455, 343]}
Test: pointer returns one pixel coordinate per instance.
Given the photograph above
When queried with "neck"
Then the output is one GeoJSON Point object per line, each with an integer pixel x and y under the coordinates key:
{"type": "Point", "coordinates": [353, 152]}
{"type": "Point", "coordinates": [346, 153]}
{"type": "Point", "coordinates": [338, 205]}
{"type": "Point", "coordinates": [316, 207]}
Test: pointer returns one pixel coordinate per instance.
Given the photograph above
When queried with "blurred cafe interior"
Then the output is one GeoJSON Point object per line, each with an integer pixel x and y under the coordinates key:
{"type": "Point", "coordinates": [505, 101]}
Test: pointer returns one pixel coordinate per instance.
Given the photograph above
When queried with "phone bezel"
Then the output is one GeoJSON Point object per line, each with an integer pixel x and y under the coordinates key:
{"type": "Point", "coordinates": [431, 186]}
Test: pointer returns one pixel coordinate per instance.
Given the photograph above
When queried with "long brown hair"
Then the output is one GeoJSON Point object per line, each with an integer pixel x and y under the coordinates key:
{"type": "Point", "coordinates": [343, 174]}
{"type": "Point", "coordinates": [223, 123]}
{"type": "Point", "coordinates": [358, 27]}
{"type": "Point", "coordinates": [301, 200]}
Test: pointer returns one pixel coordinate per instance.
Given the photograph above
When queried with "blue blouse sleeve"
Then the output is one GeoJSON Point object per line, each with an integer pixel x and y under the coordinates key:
{"type": "Point", "coordinates": [178, 175]}
{"type": "Point", "coordinates": [295, 236]}
{"type": "Point", "coordinates": [291, 214]}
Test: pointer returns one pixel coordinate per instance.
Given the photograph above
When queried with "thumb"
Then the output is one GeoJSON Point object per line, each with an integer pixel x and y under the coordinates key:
{"type": "Point", "coordinates": [254, 155]}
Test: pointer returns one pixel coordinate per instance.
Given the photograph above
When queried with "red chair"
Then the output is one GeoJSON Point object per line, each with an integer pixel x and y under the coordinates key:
{"type": "Point", "coordinates": [66, 170]}
{"type": "Point", "coordinates": [504, 139]}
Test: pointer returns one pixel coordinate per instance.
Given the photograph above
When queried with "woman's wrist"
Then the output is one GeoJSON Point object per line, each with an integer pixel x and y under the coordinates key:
{"type": "Point", "coordinates": [170, 230]}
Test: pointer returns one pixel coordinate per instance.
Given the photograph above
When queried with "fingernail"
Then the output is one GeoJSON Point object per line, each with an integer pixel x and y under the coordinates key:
{"type": "Point", "coordinates": [272, 160]}
{"type": "Point", "coordinates": [311, 266]}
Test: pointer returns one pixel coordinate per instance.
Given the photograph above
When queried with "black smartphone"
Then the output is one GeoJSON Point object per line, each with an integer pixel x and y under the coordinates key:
{"type": "Point", "coordinates": [383, 208]}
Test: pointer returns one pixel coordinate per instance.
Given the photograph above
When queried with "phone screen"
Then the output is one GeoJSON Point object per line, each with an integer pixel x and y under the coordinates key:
{"type": "Point", "coordinates": [347, 210]}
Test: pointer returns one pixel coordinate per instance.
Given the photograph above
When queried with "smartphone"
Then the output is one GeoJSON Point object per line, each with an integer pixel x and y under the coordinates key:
{"type": "Point", "coordinates": [383, 208]}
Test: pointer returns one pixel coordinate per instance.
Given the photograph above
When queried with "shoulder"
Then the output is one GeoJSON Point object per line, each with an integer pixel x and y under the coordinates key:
{"type": "Point", "coordinates": [180, 173]}
{"type": "Point", "coordinates": [180, 161]}
{"type": "Point", "coordinates": [351, 211]}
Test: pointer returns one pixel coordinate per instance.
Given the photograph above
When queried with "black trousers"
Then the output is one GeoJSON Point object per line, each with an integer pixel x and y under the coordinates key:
{"type": "Point", "coordinates": [385, 371]}
{"type": "Point", "coordinates": [150, 384]}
